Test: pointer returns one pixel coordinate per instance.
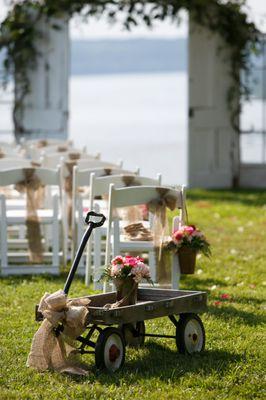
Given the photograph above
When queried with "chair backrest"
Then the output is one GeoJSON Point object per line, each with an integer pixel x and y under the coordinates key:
{"type": "Point", "coordinates": [95, 163]}
{"type": "Point", "coordinates": [129, 196]}
{"type": "Point", "coordinates": [81, 177]}
{"type": "Point", "coordinates": [11, 163]}
{"type": "Point", "coordinates": [39, 143]}
{"type": "Point", "coordinates": [99, 186]}
{"type": "Point", "coordinates": [10, 151]}
{"type": "Point", "coordinates": [53, 159]}
{"type": "Point", "coordinates": [34, 152]}
{"type": "Point", "coordinates": [50, 177]}
{"type": "Point", "coordinates": [137, 195]}
{"type": "Point", "coordinates": [9, 145]}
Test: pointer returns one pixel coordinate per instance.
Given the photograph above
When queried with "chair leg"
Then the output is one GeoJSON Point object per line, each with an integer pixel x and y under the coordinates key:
{"type": "Point", "coordinates": [152, 265]}
{"type": "Point", "coordinates": [88, 262]}
{"type": "Point", "coordinates": [175, 272]}
{"type": "Point", "coordinates": [97, 260]}
{"type": "Point", "coordinates": [56, 238]}
{"type": "Point", "coordinates": [116, 239]}
{"type": "Point", "coordinates": [3, 233]}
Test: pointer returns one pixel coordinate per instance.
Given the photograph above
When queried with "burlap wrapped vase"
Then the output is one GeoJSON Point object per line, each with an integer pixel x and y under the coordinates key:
{"type": "Point", "coordinates": [126, 291]}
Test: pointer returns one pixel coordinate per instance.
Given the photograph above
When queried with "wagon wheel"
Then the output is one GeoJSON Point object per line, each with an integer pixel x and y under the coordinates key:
{"type": "Point", "coordinates": [190, 334]}
{"type": "Point", "coordinates": [110, 350]}
{"type": "Point", "coordinates": [134, 334]}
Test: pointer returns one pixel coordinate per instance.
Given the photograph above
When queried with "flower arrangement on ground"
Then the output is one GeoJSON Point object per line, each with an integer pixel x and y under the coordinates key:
{"type": "Point", "coordinates": [187, 241]}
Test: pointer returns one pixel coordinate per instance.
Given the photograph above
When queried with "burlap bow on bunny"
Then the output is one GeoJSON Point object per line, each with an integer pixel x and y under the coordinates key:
{"type": "Point", "coordinates": [58, 352]}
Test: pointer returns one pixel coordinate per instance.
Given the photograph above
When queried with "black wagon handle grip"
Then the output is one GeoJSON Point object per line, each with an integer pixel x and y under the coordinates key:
{"type": "Point", "coordinates": [96, 224]}
{"type": "Point", "coordinates": [91, 225]}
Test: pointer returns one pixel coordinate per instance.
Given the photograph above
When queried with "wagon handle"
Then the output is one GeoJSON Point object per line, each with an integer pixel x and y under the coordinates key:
{"type": "Point", "coordinates": [88, 219]}
{"type": "Point", "coordinates": [91, 225]}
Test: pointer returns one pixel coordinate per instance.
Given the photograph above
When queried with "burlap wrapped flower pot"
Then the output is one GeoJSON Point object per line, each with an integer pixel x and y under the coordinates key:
{"type": "Point", "coordinates": [126, 290]}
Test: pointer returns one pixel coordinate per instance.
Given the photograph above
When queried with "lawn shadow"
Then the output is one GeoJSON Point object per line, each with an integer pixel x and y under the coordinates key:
{"type": "Point", "coordinates": [228, 311]}
{"type": "Point", "coordinates": [15, 280]}
{"type": "Point", "coordinates": [199, 283]}
{"type": "Point", "coordinates": [163, 363]}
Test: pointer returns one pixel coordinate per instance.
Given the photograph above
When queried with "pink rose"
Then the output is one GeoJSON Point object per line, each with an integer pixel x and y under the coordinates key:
{"type": "Point", "coordinates": [132, 261]}
{"type": "Point", "coordinates": [178, 235]}
{"type": "Point", "coordinates": [189, 229]}
{"type": "Point", "coordinates": [117, 260]}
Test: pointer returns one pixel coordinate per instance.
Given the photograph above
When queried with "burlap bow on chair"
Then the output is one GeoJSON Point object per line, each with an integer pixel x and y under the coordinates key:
{"type": "Point", "coordinates": [62, 149]}
{"type": "Point", "coordinates": [68, 185]}
{"type": "Point", "coordinates": [32, 186]}
{"type": "Point", "coordinates": [42, 143]}
{"type": "Point", "coordinates": [158, 207]}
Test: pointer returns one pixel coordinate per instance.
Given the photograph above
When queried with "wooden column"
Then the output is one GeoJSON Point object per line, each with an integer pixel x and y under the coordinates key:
{"type": "Point", "coordinates": [213, 155]}
{"type": "Point", "coordinates": [44, 110]}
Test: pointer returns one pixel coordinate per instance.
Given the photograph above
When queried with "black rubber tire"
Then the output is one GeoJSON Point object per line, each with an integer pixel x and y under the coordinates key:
{"type": "Point", "coordinates": [130, 339]}
{"type": "Point", "coordinates": [101, 351]}
{"type": "Point", "coordinates": [185, 341]}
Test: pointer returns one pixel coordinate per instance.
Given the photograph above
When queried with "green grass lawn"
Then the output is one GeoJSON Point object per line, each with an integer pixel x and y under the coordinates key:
{"type": "Point", "coordinates": [231, 367]}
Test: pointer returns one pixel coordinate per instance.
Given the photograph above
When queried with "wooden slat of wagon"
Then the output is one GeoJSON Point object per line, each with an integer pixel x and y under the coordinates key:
{"type": "Point", "coordinates": [166, 303]}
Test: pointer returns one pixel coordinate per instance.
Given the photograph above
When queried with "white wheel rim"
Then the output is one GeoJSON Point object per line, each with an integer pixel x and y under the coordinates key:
{"type": "Point", "coordinates": [193, 336]}
{"type": "Point", "coordinates": [113, 352]}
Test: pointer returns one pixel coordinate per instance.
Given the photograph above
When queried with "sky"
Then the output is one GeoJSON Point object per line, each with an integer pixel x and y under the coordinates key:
{"type": "Point", "coordinates": [96, 29]}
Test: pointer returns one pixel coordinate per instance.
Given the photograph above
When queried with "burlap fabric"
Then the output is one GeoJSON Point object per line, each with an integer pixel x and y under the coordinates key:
{"type": "Point", "coordinates": [137, 231]}
{"type": "Point", "coordinates": [130, 214]}
{"type": "Point", "coordinates": [58, 352]}
{"type": "Point", "coordinates": [68, 186]}
{"type": "Point", "coordinates": [42, 143]}
{"type": "Point", "coordinates": [33, 188]}
{"type": "Point", "coordinates": [158, 207]}
{"type": "Point", "coordinates": [126, 293]}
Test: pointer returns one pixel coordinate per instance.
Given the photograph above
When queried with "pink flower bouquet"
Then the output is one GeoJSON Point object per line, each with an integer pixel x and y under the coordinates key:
{"type": "Point", "coordinates": [128, 267]}
{"type": "Point", "coordinates": [188, 236]}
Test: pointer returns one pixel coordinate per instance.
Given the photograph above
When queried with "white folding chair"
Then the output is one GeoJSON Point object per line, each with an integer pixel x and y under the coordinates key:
{"type": "Point", "coordinates": [19, 216]}
{"type": "Point", "coordinates": [14, 199]}
{"type": "Point", "coordinates": [96, 163]}
{"type": "Point", "coordinates": [124, 197]}
{"type": "Point", "coordinates": [9, 162]}
{"type": "Point", "coordinates": [43, 145]}
{"type": "Point", "coordinates": [52, 159]}
{"type": "Point", "coordinates": [81, 179]}
{"type": "Point", "coordinates": [100, 187]}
